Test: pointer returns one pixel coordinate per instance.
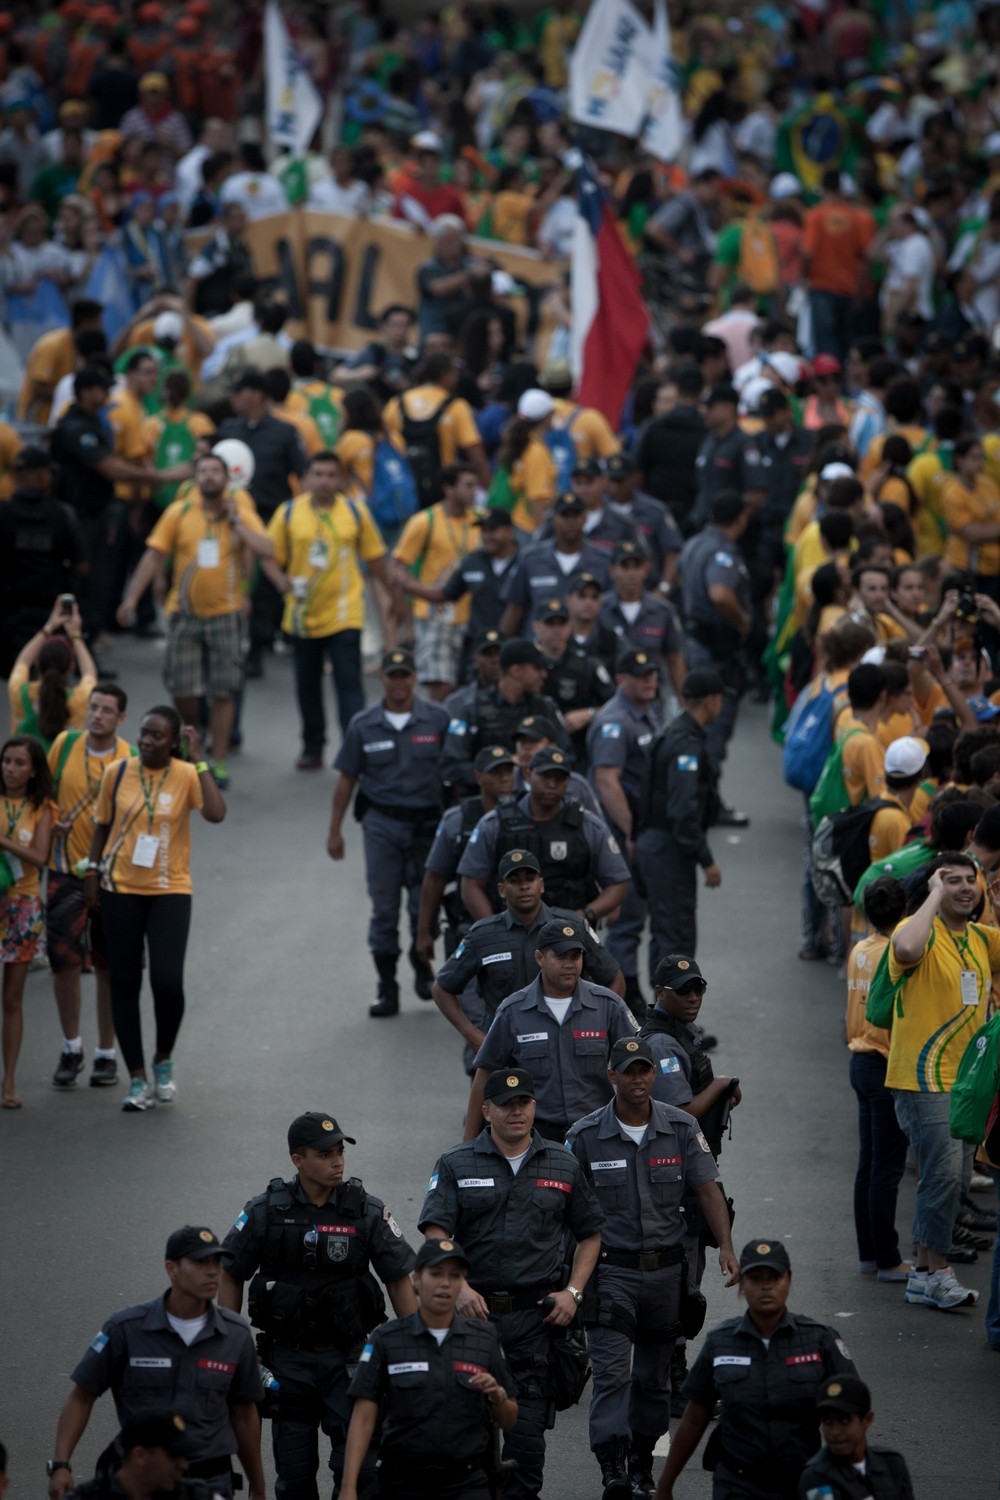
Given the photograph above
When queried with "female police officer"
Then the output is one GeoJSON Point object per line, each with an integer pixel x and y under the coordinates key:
{"type": "Point", "coordinates": [439, 1381]}
{"type": "Point", "coordinates": [766, 1369]}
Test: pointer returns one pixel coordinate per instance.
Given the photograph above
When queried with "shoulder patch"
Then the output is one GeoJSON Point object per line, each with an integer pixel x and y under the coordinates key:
{"type": "Point", "coordinates": [459, 950]}
{"type": "Point", "coordinates": [702, 1142]}
{"type": "Point", "coordinates": [613, 844]}
{"type": "Point", "coordinates": [611, 731]}
{"type": "Point", "coordinates": [99, 1342]}
{"type": "Point", "coordinates": [366, 1354]}
{"type": "Point", "coordinates": [687, 762]}
{"type": "Point", "coordinates": [242, 1221]}
{"type": "Point", "coordinates": [669, 1065]}
{"type": "Point", "coordinates": [457, 726]}
{"type": "Point", "coordinates": [433, 1182]}
{"type": "Point", "coordinates": [723, 559]}
{"type": "Point", "coordinates": [390, 1221]}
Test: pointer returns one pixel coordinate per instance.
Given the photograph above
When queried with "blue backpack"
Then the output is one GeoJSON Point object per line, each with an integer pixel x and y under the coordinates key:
{"type": "Point", "coordinates": [393, 497]}
{"type": "Point", "coordinates": [808, 737]}
{"type": "Point", "coordinates": [559, 441]}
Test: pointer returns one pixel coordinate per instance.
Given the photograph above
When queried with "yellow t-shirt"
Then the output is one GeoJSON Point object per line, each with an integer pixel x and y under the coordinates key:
{"type": "Point", "coordinates": [10, 447]}
{"type": "Point", "coordinates": [20, 819]}
{"type": "Point", "coordinates": [129, 421]}
{"type": "Point", "coordinates": [440, 541]}
{"type": "Point", "coordinates": [77, 701]}
{"type": "Point", "coordinates": [961, 507]}
{"type": "Point", "coordinates": [592, 434]}
{"type": "Point", "coordinates": [938, 1019]}
{"type": "Point", "coordinates": [150, 804]}
{"type": "Point", "coordinates": [926, 474]}
{"type": "Point", "coordinates": [312, 440]}
{"type": "Point", "coordinates": [328, 413]}
{"type": "Point", "coordinates": [457, 430]}
{"type": "Point", "coordinates": [187, 352]}
{"type": "Point", "coordinates": [533, 477]}
{"type": "Point", "coordinates": [862, 962]}
{"type": "Point", "coordinates": [915, 436]}
{"type": "Point", "coordinates": [319, 547]}
{"type": "Point", "coordinates": [889, 828]}
{"type": "Point", "coordinates": [203, 587]}
{"type": "Point", "coordinates": [76, 796]}
{"type": "Point", "coordinates": [52, 356]}
{"type": "Point", "coordinates": [862, 760]}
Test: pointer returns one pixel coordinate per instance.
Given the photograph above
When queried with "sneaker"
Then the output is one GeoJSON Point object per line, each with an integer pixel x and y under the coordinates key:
{"type": "Point", "coordinates": [968, 1239]}
{"type": "Point", "coordinates": [70, 1067]}
{"type": "Point", "coordinates": [943, 1292]}
{"type": "Point", "coordinates": [220, 774]}
{"type": "Point", "coordinates": [309, 762]}
{"type": "Point", "coordinates": [140, 1097]}
{"type": "Point", "coordinates": [104, 1073]}
{"type": "Point", "coordinates": [901, 1272]}
{"type": "Point", "coordinates": [916, 1286]}
{"type": "Point", "coordinates": [867, 1267]}
{"type": "Point", "coordinates": [961, 1255]}
{"type": "Point", "coordinates": [971, 1216]}
{"type": "Point", "coordinates": [981, 1183]}
{"type": "Point", "coordinates": [166, 1088]}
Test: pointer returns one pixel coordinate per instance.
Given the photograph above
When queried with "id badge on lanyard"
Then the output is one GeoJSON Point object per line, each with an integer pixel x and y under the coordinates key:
{"type": "Point", "coordinates": [146, 849]}
{"type": "Point", "coordinates": [969, 981]}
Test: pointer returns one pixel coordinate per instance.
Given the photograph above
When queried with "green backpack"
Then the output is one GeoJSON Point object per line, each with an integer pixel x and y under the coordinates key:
{"type": "Point", "coordinates": [29, 720]}
{"type": "Point", "coordinates": [976, 1084]}
{"type": "Point", "coordinates": [176, 446]}
{"type": "Point", "coordinates": [325, 413]}
{"type": "Point", "coordinates": [830, 794]}
{"type": "Point", "coordinates": [501, 496]}
{"type": "Point", "coordinates": [885, 995]}
{"type": "Point", "coordinates": [902, 862]}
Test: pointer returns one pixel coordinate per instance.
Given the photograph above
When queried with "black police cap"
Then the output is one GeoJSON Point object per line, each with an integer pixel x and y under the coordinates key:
{"type": "Point", "coordinates": [436, 1252]}
{"type": "Point", "coordinates": [492, 756]}
{"type": "Point", "coordinates": [192, 1242]}
{"type": "Point", "coordinates": [509, 1083]}
{"type": "Point", "coordinates": [316, 1131]}
{"type": "Point", "coordinates": [562, 935]}
{"type": "Point", "coordinates": [158, 1427]}
{"type": "Point", "coordinates": [551, 758]}
{"type": "Point", "coordinates": [518, 859]}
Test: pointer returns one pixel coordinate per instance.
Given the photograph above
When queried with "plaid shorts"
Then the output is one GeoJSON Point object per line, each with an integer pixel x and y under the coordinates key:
{"type": "Point", "coordinates": [71, 931]}
{"type": "Point", "coordinates": [439, 650]}
{"type": "Point", "coordinates": [205, 655]}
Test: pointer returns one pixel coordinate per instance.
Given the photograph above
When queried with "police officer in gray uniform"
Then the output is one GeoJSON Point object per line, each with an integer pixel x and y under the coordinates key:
{"type": "Point", "coordinates": [535, 733]}
{"type": "Point", "coordinates": [618, 747]}
{"type": "Point", "coordinates": [560, 1028]}
{"type": "Point", "coordinates": [679, 805]}
{"type": "Point", "coordinates": [211, 1380]}
{"type": "Point", "coordinates": [309, 1245]}
{"type": "Point", "coordinates": [544, 569]}
{"type": "Point", "coordinates": [576, 682]}
{"type": "Point", "coordinates": [575, 851]}
{"type": "Point", "coordinates": [728, 459]}
{"type": "Point", "coordinates": [392, 754]}
{"type": "Point", "coordinates": [513, 1199]}
{"type": "Point", "coordinates": [641, 1157]}
{"type": "Point", "coordinates": [654, 526]}
{"type": "Point", "coordinates": [497, 954]}
{"type": "Point", "coordinates": [485, 662]}
{"type": "Point", "coordinates": [495, 712]}
{"type": "Point", "coordinates": [643, 619]}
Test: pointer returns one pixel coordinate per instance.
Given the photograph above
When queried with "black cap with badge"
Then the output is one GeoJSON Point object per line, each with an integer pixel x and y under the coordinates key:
{"type": "Point", "coordinates": [398, 660]}
{"type": "Point", "coordinates": [157, 1427]}
{"type": "Point", "coordinates": [552, 609]}
{"type": "Point", "coordinates": [587, 468]}
{"type": "Point", "coordinates": [677, 970]}
{"type": "Point", "coordinates": [581, 581]}
{"type": "Point", "coordinates": [551, 758]}
{"type": "Point", "coordinates": [628, 1050]}
{"type": "Point", "coordinates": [636, 663]}
{"type": "Point", "coordinates": [436, 1252]}
{"type": "Point", "coordinates": [509, 1083]}
{"type": "Point", "coordinates": [569, 504]}
{"type": "Point", "coordinates": [619, 466]}
{"type": "Point", "coordinates": [562, 935]}
{"type": "Point", "coordinates": [490, 640]}
{"type": "Point", "coordinates": [535, 727]}
{"type": "Point", "coordinates": [494, 518]}
{"type": "Point", "coordinates": [702, 683]}
{"type": "Point", "coordinates": [518, 859]}
{"type": "Point", "coordinates": [845, 1393]}
{"type": "Point", "coordinates": [317, 1132]}
{"type": "Point", "coordinates": [192, 1242]}
{"type": "Point", "coordinates": [518, 652]}
{"type": "Point", "coordinates": [771, 1254]}
{"type": "Point", "coordinates": [491, 757]}
{"type": "Point", "coordinates": [628, 551]}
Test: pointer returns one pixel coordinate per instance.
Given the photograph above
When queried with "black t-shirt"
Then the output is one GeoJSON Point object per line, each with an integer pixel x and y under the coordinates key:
{"type": "Point", "coordinates": [40, 546]}
{"type": "Point", "coordinates": [79, 443]}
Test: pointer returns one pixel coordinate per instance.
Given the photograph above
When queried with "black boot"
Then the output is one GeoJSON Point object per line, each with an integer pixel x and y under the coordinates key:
{"type": "Point", "coordinates": [613, 1459]}
{"type": "Point", "coordinates": [640, 1466]}
{"type": "Point", "coordinates": [634, 998]}
{"type": "Point", "coordinates": [387, 1003]}
{"type": "Point", "coordinates": [678, 1375]}
{"type": "Point", "coordinates": [423, 975]}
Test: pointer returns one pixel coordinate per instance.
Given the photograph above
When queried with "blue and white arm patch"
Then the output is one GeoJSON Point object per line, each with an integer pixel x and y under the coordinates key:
{"type": "Point", "coordinates": [687, 762]}
{"type": "Point", "coordinates": [458, 726]}
{"type": "Point", "coordinates": [669, 1065]}
{"type": "Point", "coordinates": [611, 731]}
{"type": "Point", "coordinates": [99, 1342]}
{"type": "Point", "coordinates": [242, 1222]}
{"type": "Point", "coordinates": [724, 560]}
{"type": "Point", "coordinates": [366, 1354]}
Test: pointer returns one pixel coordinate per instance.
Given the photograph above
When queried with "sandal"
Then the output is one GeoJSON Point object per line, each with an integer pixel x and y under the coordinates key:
{"type": "Point", "coordinates": [10, 1101]}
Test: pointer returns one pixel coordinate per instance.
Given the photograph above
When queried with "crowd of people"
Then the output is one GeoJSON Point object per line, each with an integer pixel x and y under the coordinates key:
{"type": "Point", "coordinates": [538, 618]}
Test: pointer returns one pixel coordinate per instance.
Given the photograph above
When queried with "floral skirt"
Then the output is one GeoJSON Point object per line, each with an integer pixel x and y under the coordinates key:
{"type": "Point", "coordinates": [22, 928]}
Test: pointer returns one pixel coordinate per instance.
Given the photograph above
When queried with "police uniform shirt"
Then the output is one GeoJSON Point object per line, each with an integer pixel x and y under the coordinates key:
{"type": "Point", "coordinates": [511, 1225]}
{"type": "Point", "coordinates": [641, 1188]}
{"type": "Point", "coordinates": [498, 955]}
{"type": "Point", "coordinates": [673, 1069]}
{"type": "Point", "coordinates": [143, 1362]}
{"type": "Point", "coordinates": [728, 463]}
{"type": "Point", "coordinates": [656, 627]}
{"type": "Point", "coordinates": [477, 575]}
{"type": "Point", "coordinates": [609, 528]}
{"type": "Point", "coordinates": [430, 1411]}
{"type": "Point", "coordinates": [886, 1477]}
{"type": "Point", "coordinates": [41, 548]}
{"type": "Point", "coordinates": [681, 785]}
{"type": "Point", "coordinates": [80, 441]}
{"type": "Point", "coordinates": [491, 720]}
{"type": "Point", "coordinates": [244, 1248]}
{"type": "Point", "coordinates": [768, 1394]}
{"type": "Point", "coordinates": [607, 865]}
{"type": "Point", "coordinates": [538, 575]}
{"type": "Point", "coordinates": [711, 558]}
{"type": "Point", "coordinates": [579, 789]}
{"type": "Point", "coordinates": [396, 767]}
{"type": "Point", "coordinates": [602, 643]}
{"type": "Point", "coordinates": [655, 527]}
{"type": "Point", "coordinates": [784, 463]}
{"type": "Point", "coordinates": [568, 1062]}
{"type": "Point", "coordinates": [620, 736]}
{"type": "Point", "coordinates": [575, 680]}
{"type": "Point", "coordinates": [446, 848]}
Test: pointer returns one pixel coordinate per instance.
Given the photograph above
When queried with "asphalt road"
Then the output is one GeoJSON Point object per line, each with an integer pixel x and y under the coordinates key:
{"type": "Point", "coordinates": [279, 981]}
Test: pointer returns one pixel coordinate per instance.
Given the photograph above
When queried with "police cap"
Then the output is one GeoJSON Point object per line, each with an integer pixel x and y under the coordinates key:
{"type": "Point", "coordinates": [702, 683]}
{"type": "Point", "coordinates": [490, 640]}
{"type": "Point", "coordinates": [844, 1393]}
{"type": "Point", "coordinates": [493, 756]}
{"type": "Point", "coordinates": [628, 551]}
{"type": "Point", "coordinates": [158, 1427]}
{"type": "Point", "coordinates": [436, 1252]}
{"type": "Point", "coordinates": [619, 466]}
{"type": "Point", "coordinates": [628, 1050]}
{"type": "Point", "coordinates": [519, 653]}
{"type": "Point", "coordinates": [636, 663]}
{"type": "Point", "coordinates": [509, 1083]}
{"type": "Point", "coordinates": [772, 401]}
{"type": "Point", "coordinates": [552, 609]}
{"type": "Point", "coordinates": [677, 970]}
{"type": "Point", "coordinates": [581, 581]}
{"type": "Point", "coordinates": [398, 660]}
{"type": "Point", "coordinates": [587, 468]}
{"type": "Point", "coordinates": [536, 727]}
{"type": "Point", "coordinates": [724, 393]}
{"type": "Point", "coordinates": [562, 935]}
{"type": "Point", "coordinates": [316, 1130]}
{"type": "Point", "coordinates": [518, 859]}
{"type": "Point", "coordinates": [551, 758]}
{"type": "Point", "coordinates": [569, 504]}
{"type": "Point", "coordinates": [769, 1253]}
{"type": "Point", "coordinates": [192, 1242]}
{"type": "Point", "coordinates": [31, 457]}
{"type": "Point", "coordinates": [494, 518]}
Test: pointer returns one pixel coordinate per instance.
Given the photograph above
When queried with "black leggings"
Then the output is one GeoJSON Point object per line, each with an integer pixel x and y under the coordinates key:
{"type": "Point", "coordinates": [162, 923]}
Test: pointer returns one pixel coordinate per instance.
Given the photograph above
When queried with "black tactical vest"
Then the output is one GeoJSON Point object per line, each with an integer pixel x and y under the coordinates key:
{"type": "Point", "coordinates": [560, 846]}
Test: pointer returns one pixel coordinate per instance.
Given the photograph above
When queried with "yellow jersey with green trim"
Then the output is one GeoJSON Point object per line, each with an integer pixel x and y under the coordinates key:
{"type": "Point", "coordinates": [79, 772]}
{"type": "Point", "coordinates": [940, 1006]}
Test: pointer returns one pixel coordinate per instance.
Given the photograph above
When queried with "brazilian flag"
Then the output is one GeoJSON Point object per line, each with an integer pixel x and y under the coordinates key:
{"type": "Point", "coordinates": [816, 137]}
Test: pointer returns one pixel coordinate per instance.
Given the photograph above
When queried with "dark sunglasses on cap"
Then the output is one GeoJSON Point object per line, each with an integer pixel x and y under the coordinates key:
{"type": "Point", "coordinates": [698, 985]}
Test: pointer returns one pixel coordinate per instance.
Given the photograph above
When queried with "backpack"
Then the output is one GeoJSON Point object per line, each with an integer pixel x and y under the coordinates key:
{"type": "Point", "coordinates": [808, 737]}
{"type": "Point", "coordinates": [976, 1083]}
{"type": "Point", "coordinates": [423, 450]}
{"type": "Point", "coordinates": [393, 498]}
{"type": "Point", "coordinates": [29, 721]}
{"type": "Point", "coordinates": [758, 264]}
{"type": "Point", "coordinates": [72, 735]}
{"type": "Point", "coordinates": [885, 995]}
{"type": "Point", "coordinates": [841, 852]}
{"type": "Point", "coordinates": [501, 496]}
{"type": "Point", "coordinates": [903, 862]}
{"type": "Point", "coordinates": [325, 413]}
{"type": "Point", "coordinates": [830, 793]}
{"type": "Point", "coordinates": [559, 441]}
{"type": "Point", "coordinates": [176, 446]}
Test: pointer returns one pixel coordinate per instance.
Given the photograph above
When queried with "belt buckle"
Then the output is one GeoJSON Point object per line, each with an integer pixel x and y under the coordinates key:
{"type": "Point", "coordinates": [649, 1260]}
{"type": "Point", "coordinates": [502, 1302]}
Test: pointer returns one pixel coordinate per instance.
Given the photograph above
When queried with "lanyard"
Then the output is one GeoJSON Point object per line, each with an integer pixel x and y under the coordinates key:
{"type": "Point", "coordinates": [459, 546]}
{"type": "Point", "coordinates": [94, 785]}
{"type": "Point", "coordinates": [965, 954]}
{"type": "Point", "coordinates": [13, 818]}
{"type": "Point", "coordinates": [150, 794]}
{"type": "Point", "coordinates": [325, 518]}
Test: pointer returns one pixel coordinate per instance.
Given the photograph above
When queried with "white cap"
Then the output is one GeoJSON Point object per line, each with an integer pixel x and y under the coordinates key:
{"type": "Point", "coordinates": [168, 325]}
{"type": "Point", "coordinates": [836, 471]}
{"type": "Point", "coordinates": [534, 405]}
{"type": "Point", "coordinates": [906, 756]}
{"type": "Point", "coordinates": [991, 145]}
{"type": "Point", "coordinates": [502, 284]}
{"type": "Point", "coordinates": [785, 185]}
{"type": "Point", "coordinates": [788, 366]}
{"type": "Point", "coordinates": [427, 140]}
{"type": "Point", "coordinates": [752, 390]}
{"type": "Point", "coordinates": [874, 656]}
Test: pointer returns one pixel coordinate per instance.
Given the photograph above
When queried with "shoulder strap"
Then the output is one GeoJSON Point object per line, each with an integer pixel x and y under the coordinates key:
{"type": "Point", "coordinates": [72, 735]}
{"type": "Point", "coordinates": [25, 699]}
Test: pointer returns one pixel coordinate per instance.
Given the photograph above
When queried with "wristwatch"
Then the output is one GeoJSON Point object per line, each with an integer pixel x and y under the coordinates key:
{"type": "Point", "coordinates": [52, 1464]}
{"type": "Point", "coordinates": [577, 1296]}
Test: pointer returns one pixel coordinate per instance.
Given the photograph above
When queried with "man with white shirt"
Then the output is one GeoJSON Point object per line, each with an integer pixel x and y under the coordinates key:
{"type": "Point", "coordinates": [909, 278]}
{"type": "Point", "coordinates": [215, 136]}
{"type": "Point", "coordinates": [344, 193]}
{"type": "Point", "coordinates": [258, 193]}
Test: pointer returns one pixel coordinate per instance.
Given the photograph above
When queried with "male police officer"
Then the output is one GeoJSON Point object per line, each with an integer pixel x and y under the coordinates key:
{"type": "Point", "coordinates": [392, 753]}
{"type": "Point", "coordinates": [642, 1158]}
{"type": "Point", "coordinates": [496, 712]}
{"type": "Point", "coordinates": [548, 568]}
{"type": "Point", "coordinates": [156, 1451]}
{"type": "Point", "coordinates": [497, 954]}
{"type": "Point", "coordinates": [561, 1026]}
{"type": "Point", "coordinates": [513, 1197]}
{"type": "Point", "coordinates": [618, 746]}
{"type": "Point", "coordinates": [654, 526]}
{"type": "Point", "coordinates": [535, 733]}
{"type": "Point", "coordinates": [575, 681]}
{"type": "Point", "coordinates": [183, 1350]}
{"type": "Point", "coordinates": [680, 802]}
{"type": "Point", "coordinates": [575, 851]}
{"type": "Point", "coordinates": [311, 1243]}
{"type": "Point", "coordinates": [642, 619]}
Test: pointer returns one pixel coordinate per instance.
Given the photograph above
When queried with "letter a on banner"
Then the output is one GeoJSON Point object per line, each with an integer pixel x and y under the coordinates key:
{"type": "Point", "coordinates": [609, 76]}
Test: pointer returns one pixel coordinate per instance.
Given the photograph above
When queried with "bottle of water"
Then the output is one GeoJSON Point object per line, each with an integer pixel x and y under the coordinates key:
{"type": "Point", "coordinates": [271, 1385]}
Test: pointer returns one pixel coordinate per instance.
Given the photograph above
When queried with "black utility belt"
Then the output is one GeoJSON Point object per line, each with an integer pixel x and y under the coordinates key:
{"type": "Point", "coordinates": [508, 1302]}
{"type": "Point", "coordinates": [405, 814]}
{"type": "Point", "coordinates": [412, 1466]}
{"type": "Point", "coordinates": [778, 1478]}
{"type": "Point", "coordinates": [214, 1468]}
{"type": "Point", "coordinates": [643, 1260]}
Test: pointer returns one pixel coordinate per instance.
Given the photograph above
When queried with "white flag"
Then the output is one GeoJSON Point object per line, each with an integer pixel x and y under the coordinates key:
{"type": "Point", "coordinates": [663, 135]}
{"type": "Point", "coordinates": [609, 77]}
{"type": "Point", "coordinates": [294, 107]}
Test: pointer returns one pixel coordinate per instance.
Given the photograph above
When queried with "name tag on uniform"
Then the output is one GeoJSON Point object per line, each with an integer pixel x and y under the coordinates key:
{"type": "Point", "coordinates": [145, 851]}
{"type": "Point", "coordinates": [534, 1036]}
{"type": "Point", "coordinates": [374, 745]}
{"type": "Point", "coordinates": [319, 555]}
{"type": "Point", "coordinates": [223, 1367]}
{"type": "Point", "coordinates": [208, 552]}
{"type": "Point", "coordinates": [731, 1359]}
{"type": "Point", "coordinates": [804, 1359]}
{"type": "Point", "coordinates": [497, 958]}
{"type": "Point", "coordinates": [606, 1166]}
{"type": "Point", "coordinates": [665, 1161]}
{"type": "Point", "coordinates": [970, 987]}
{"type": "Point", "coordinates": [415, 1367]}
{"type": "Point", "coordinates": [476, 1182]}
{"type": "Point", "coordinates": [145, 1363]}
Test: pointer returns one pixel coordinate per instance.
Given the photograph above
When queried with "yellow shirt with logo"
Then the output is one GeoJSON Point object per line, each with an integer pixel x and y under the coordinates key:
{"type": "Point", "coordinates": [457, 430]}
{"type": "Point", "coordinates": [139, 803]}
{"type": "Point", "coordinates": [592, 433]}
{"type": "Point", "coordinates": [20, 820]}
{"type": "Point", "coordinates": [440, 542]}
{"type": "Point", "coordinates": [941, 1009]}
{"type": "Point", "coordinates": [319, 548]}
{"type": "Point", "coordinates": [963, 507]}
{"type": "Point", "coordinates": [862, 962]}
{"type": "Point", "coordinates": [76, 796]}
{"type": "Point", "coordinates": [203, 587]}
